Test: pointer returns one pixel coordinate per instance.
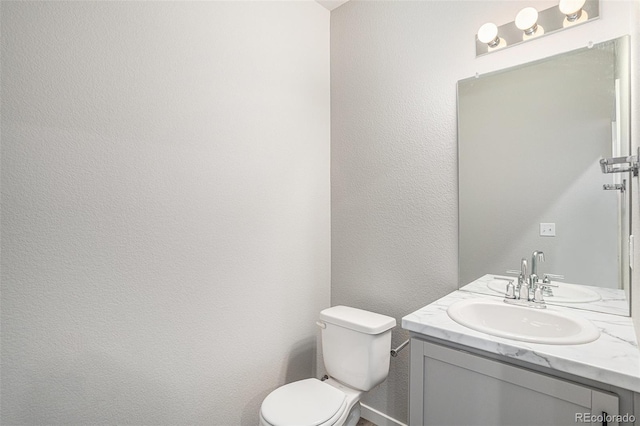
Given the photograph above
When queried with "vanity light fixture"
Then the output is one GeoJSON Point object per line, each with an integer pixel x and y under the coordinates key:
{"type": "Point", "coordinates": [488, 34]}
{"type": "Point", "coordinates": [573, 11]}
{"type": "Point", "coordinates": [527, 21]}
{"type": "Point", "coordinates": [531, 23]}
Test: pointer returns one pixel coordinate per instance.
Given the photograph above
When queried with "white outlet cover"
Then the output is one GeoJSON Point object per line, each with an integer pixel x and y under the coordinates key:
{"type": "Point", "coordinates": [547, 229]}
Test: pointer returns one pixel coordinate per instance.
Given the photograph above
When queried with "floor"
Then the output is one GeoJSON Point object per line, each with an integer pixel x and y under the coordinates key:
{"type": "Point", "coordinates": [364, 422]}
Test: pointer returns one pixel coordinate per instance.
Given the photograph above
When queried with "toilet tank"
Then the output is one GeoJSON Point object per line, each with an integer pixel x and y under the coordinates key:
{"type": "Point", "coordinates": [356, 346]}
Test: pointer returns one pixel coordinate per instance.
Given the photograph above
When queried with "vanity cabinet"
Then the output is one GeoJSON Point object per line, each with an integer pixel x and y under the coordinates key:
{"type": "Point", "coordinates": [450, 386]}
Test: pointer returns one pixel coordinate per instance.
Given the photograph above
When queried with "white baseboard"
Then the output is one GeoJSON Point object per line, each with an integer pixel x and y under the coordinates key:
{"type": "Point", "coordinates": [380, 419]}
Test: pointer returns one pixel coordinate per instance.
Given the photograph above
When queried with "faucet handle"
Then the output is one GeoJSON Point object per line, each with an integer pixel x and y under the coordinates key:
{"type": "Point", "coordinates": [554, 276]}
{"type": "Point", "coordinates": [547, 279]}
{"type": "Point", "coordinates": [511, 291]}
{"type": "Point", "coordinates": [521, 278]}
{"type": "Point", "coordinates": [538, 295]}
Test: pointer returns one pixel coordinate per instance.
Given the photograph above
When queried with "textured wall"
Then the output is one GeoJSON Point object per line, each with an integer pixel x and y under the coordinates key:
{"type": "Point", "coordinates": [165, 208]}
{"type": "Point", "coordinates": [394, 68]}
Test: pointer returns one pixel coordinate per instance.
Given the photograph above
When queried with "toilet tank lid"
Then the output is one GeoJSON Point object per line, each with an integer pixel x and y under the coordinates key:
{"type": "Point", "coordinates": [357, 319]}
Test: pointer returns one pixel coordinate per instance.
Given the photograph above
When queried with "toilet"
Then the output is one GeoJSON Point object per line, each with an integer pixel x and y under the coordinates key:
{"type": "Point", "coordinates": [356, 348]}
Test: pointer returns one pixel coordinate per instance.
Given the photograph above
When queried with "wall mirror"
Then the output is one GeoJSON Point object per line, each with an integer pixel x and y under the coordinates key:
{"type": "Point", "coordinates": [529, 143]}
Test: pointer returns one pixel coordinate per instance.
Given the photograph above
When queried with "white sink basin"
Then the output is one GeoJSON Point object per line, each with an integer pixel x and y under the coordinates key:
{"type": "Point", "coordinates": [564, 293]}
{"type": "Point", "coordinates": [522, 323]}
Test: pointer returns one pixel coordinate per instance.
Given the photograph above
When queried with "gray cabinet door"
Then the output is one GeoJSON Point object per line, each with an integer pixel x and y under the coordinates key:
{"type": "Point", "coordinates": [453, 387]}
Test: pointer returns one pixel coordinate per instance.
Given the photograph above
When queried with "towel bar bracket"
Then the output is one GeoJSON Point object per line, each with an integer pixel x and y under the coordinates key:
{"type": "Point", "coordinates": [394, 352]}
{"type": "Point", "coordinates": [610, 165]}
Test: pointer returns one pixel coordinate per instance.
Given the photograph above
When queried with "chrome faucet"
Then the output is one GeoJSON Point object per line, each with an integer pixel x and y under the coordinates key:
{"type": "Point", "coordinates": [535, 257]}
{"type": "Point", "coordinates": [528, 293]}
{"type": "Point", "coordinates": [523, 288]}
{"type": "Point", "coordinates": [523, 270]}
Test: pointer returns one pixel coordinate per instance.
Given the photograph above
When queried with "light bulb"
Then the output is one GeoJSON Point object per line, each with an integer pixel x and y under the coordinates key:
{"type": "Point", "coordinates": [527, 21]}
{"type": "Point", "coordinates": [488, 34]}
{"type": "Point", "coordinates": [574, 12]}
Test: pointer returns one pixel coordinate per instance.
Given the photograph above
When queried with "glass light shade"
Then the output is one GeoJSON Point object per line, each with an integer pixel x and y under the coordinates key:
{"type": "Point", "coordinates": [527, 21]}
{"type": "Point", "coordinates": [571, 7]}
{"type": "Point", "coordinates": [526, 18]}
{"type": "Point", "coordinates": [488, 33]}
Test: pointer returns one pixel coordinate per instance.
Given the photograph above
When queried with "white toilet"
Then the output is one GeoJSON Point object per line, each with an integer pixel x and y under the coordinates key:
{"type": "Point", "coordinates": [356, 348]}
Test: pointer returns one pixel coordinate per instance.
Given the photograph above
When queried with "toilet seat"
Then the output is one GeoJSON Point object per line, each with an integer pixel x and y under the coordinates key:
{"type": "Point", "coordinates": [308, 402]}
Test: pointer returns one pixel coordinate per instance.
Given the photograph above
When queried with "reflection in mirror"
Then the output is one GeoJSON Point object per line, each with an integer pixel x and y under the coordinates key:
{"type": "Point", "coordinates": [529, 143]}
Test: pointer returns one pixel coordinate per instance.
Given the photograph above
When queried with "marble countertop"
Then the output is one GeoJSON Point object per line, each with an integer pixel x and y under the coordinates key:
{"type": "Point", "coordinates": [612, 301]}
{"type": "Point", "coordinates": [612, 359]}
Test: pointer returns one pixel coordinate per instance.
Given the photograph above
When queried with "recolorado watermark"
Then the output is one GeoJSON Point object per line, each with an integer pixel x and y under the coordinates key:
{"type": "Point", "coordinates": [604, 418]}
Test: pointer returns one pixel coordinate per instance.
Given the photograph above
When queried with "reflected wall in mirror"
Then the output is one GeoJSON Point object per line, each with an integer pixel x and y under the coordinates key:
{"type": "Point", "coordinates": [529, 143]}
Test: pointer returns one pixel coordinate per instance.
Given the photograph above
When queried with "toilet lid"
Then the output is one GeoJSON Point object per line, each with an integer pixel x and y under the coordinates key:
{"type": "Point", "coordinates": [308, 402]}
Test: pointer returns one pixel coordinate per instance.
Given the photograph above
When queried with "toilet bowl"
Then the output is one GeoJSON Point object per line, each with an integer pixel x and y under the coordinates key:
{"type": "Point", "coordinates": [311, 402]}
{"type": "Point", "coordinates": [356, 348]}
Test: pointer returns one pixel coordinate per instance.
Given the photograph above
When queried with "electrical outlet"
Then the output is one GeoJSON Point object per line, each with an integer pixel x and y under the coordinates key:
{"type": "Point", "coordinates": [547, 229]}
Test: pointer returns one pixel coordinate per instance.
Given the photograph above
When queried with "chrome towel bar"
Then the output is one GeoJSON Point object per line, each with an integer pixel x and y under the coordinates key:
{"type": "Point", "coordinates": [394, 352]}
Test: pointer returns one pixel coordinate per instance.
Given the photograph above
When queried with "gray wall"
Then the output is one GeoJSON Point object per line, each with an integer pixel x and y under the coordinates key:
{"type": "Point", "coordinates": [165, 208]}
{"type": "Point", "coordinates": [394, 68]}
{"type": "Point", "coordinates": [165, 192]}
